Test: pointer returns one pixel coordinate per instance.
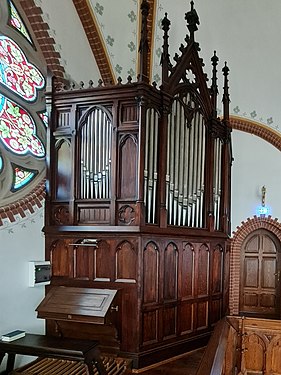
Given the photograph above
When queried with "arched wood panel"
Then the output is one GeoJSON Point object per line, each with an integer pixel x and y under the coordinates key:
{"type": "Point", "coordinates": [63, 170]}
{"type": "Point", "coordinates": [126, 262]}
{"type": "Point", "coordinates": [253, 359]}
{"type": "Point", "coordinates": [61, 257]}
{"type": "Point", "coordinates": [83, 262]}
{"type": "Point", "coordinates": [103, 262]}
{"type": "Point", "coordinates": [128, 167]}
{"type": "Point", "coordinates": [151, 273]}
{"type": "Point", "coordinates": [170, 272]}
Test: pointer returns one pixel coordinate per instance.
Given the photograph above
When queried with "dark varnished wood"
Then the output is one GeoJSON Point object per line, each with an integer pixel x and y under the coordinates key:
{"type": "Point", "coordinates": [43, 346]}
{"type": "Point", "coordinates": [172, 280]}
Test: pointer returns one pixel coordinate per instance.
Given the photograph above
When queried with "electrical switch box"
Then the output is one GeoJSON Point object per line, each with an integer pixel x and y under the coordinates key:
{"type": "Point", "coordinates": [39, 273]}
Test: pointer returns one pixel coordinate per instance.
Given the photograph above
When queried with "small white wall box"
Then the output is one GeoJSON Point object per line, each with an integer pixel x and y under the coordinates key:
{"type": "Point", "coordinates": [39, 272]}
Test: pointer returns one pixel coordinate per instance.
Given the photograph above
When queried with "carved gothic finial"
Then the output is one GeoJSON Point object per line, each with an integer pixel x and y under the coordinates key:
{"type": "Point", "coordinates": [214, 87]}
{"type": "Point", "coordinates": [192, 19]}
{"type": "Point", "coordinates": [225, 98]}
{"type": "Point", "coordinates": [165, 57]}
{"type": "Point", "coordinates": [143, 48]}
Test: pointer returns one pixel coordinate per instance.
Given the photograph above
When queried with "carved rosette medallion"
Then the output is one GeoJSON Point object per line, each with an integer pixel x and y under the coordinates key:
{"type": "Point", "coordinates": [126, 214]}
{"type": "Point", "coordinates": [61, 215]}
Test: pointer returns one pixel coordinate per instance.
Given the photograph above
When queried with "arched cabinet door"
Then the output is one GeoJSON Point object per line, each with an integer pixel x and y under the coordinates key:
{"type": "Point", "coordinates": [260, 275]}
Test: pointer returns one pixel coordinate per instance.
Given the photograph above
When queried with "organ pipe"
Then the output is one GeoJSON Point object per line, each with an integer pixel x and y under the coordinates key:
{"type": "Point", "coordinates": [96, 140]}
{"type": "Point", "coordinates": [185, 165]}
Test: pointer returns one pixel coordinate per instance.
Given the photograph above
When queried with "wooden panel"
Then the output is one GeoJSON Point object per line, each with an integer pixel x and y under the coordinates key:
{"type": "Point", "coordinates": [150, 327]}
{"type": "Point", "coordinates": [169, 322]}
{"type": "Point", "coordinates": [217, 269]}
{"type": "Point", "coordinates": [269, 245]}
{"type": "Point", "coordinates": [215, 310]}
{"type": "Point", "coordinates": [61, 258]}
{"type": "Point", "coordinates": [129, 113]}
{"type": "Point", "coordinates": [186, 319]}
{"type": "Point", "coordinates": [126, 262]}
{"type": "Point", "coordinates": [273, 362]}
{"type": "Point", "coordinates": [254, 354]}
{"type": "Point", "coordinates": [83, 262]}
{"type": "Point", "coordinates": [203, 271]}
{"type": "Point", "coordinates": [268, 268]}
{"type": "Point", "coordinates": [251, 272]}
{"type": "Point", "coordinates": [251, 299]}
{"type": "Point", "coordinates": [187, 271]}
{"type": "Point", "coordinates": [150, 273]}
{"type": "Point", "coordinates": [267, 300]}
{"type": "Point", "coordinates": [170, 272]}
{"type": "Point", "coordinates": [94, 215]}
{"type": "Point", "coordinates": [252, 245]}
{"type": "Point", "coordinates": [104, 263]}
{"type": "Point", "coordinates": [128, 167]}
{"type": "Point", "coordinates": [202, 315]}
{"type": "Point", "coordinates": [63, 171]}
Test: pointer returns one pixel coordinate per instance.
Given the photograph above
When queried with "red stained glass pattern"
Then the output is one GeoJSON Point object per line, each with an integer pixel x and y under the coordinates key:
{"type": "Point", "coordinates": [16, 72]}
{"type": "Point", "coordinates": [17, 23]}
{"type": "Point", "coordinates": [22, 177]}
{"type": "Point", "coordinates": [17, 129]}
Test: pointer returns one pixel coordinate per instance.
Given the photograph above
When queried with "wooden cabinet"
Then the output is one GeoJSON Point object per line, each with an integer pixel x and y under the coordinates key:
{"type": "Point", "coordinates": [138, 199]}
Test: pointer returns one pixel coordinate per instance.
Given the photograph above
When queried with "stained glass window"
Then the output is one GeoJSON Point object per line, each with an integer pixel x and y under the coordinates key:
{"type": "Point", "coordinates": [18, 130]}
{"type": "Point", "coordinates": [44, 117]}
{"type": "Point", "coordinates": [16, 72]}
{"type": "Point", "coordinates": [23, 119]}
{"type": "Point", "coordinates": [22, 177]}
{"type": "Point", "coordinates": [16, 21]}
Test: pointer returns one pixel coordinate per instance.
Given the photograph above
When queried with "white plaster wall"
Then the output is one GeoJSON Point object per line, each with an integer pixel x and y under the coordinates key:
{"type": "Point", "coordinates": [256, 163]}
{"type": "Point", "coordinates": [20, 243]}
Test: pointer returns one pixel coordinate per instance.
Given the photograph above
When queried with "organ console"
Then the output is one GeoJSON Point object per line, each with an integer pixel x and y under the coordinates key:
{"type": "Point", "coordinates": [138, 202]}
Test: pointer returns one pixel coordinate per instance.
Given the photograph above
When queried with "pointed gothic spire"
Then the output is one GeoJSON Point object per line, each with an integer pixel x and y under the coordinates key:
{"type": "Point", "coordinates": [225, 98]}
{"type": "Point", "coordinates": [214, 87]}
{"type": "Point", "coordinates": [192, 19]}
{"type": "Point", "coordinates": [165, 57]}
{"type": "Point", "coordinates": [143, 48]}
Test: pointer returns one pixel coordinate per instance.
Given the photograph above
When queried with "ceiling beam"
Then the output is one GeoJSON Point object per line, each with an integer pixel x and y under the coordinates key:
{"type": "Point", "coordinates": [87, 18]}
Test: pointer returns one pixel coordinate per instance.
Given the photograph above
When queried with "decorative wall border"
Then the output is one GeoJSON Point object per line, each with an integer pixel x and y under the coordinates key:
{"type": "Point", "coordinates": [26, 204]}
{"type": "Point", "coordinates": [46, 42]}
{"type": "Point", "coordinates": [272, 225]}
{"type": "Point", "coordinates": [248, 126]}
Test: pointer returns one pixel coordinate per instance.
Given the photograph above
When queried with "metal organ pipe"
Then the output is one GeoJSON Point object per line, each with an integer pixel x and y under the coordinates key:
{"type": "Point", "coordinates": [150, 164]}
{"type": "Point", "coordinates": [217, 182]}
{"type": "Point", "coordinates": [96, 138]}
{"type": "Point", "coordinates": [185, 165]}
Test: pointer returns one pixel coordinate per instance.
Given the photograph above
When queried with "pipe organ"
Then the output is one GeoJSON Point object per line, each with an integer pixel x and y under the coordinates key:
{"type": "Point", "coordinates": [138, 201]}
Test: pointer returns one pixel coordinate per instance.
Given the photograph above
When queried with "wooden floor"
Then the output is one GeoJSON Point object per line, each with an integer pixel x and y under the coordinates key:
{"type": "Point", "coordinates": [186, 365]}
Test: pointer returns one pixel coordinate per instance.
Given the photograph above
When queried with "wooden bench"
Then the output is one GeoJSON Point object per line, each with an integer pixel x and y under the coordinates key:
{"type": "Point", "coordinates": [53, 347]}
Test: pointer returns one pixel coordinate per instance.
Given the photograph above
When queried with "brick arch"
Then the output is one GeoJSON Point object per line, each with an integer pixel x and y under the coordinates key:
{"type": "Point", "coordinates": [252, 224]}
{"type": "Point", "coordinates": [248, 126]}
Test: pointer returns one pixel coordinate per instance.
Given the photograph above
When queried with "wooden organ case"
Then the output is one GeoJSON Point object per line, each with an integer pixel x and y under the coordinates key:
{"type": "Point", "coordinates": [138, 200]}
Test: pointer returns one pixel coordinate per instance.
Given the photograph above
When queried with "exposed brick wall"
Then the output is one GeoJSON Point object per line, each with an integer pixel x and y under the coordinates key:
{"type": "Point", "coordinates": [272, 225]}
